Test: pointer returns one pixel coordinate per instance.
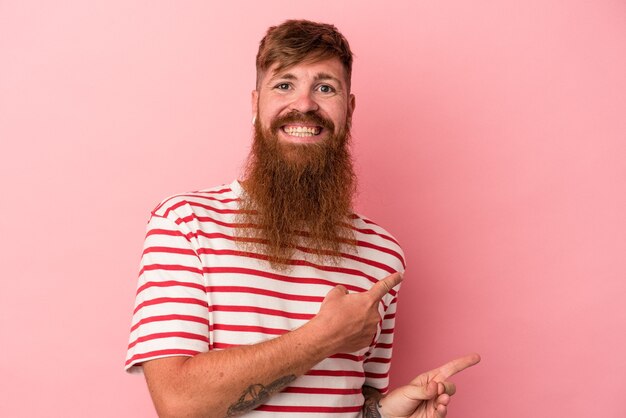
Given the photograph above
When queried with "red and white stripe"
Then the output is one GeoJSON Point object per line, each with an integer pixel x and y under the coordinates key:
{"type": "Point", "coordinates": [199, 291]}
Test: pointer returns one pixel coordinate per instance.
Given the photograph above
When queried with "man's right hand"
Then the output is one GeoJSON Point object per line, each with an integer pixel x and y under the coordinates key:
{"type": "Point", "coordinates": [345, 323]}
{"type": "Point", "coordinates": [350, 319]}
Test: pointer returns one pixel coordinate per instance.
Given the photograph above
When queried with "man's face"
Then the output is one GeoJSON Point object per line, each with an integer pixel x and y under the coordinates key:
{"type": "Point", "coordinates": [308, 103]}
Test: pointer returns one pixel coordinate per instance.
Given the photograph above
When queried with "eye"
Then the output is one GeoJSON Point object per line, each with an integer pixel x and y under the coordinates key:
{"type": "Point", "coordinates": [282, 86]}
{"type": "Point", "coordinates": [325, 88]}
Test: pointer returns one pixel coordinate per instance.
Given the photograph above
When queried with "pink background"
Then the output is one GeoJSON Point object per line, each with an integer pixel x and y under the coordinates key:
{"type": "Point", "coordinates": [489, 137]}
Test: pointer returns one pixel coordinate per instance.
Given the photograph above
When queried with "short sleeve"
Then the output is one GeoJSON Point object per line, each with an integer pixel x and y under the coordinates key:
{"type": "Point", "coordinates": [171, 314]}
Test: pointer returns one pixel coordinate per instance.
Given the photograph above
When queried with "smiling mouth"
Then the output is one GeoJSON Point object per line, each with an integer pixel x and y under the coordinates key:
{"type": "Point", "coordinates": [302, 131]}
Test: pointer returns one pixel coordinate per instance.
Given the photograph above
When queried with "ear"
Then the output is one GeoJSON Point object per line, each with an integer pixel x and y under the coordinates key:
{"type": "Point", "coordinates": [255, 103]}
{"type": "Point", "coordinates": [351, 105]}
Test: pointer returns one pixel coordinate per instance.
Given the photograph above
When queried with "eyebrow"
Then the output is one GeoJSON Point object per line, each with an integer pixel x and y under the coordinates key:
{"type": "Point", "coordinates": [325, 76]}
{"type": "Point", "coordinates": [318, 77]}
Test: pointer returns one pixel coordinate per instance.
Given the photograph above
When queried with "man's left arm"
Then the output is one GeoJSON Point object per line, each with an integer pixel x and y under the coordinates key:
{"type": "Point", "coordinates": [378, 363]}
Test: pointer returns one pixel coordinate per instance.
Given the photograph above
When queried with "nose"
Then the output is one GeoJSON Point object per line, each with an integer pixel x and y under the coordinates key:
{"type": "Point", "coordinates": [304, 102]}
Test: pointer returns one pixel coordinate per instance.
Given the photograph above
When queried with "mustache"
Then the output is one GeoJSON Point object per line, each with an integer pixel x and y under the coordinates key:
{"type": "Point", "coordinates": [295, 116]}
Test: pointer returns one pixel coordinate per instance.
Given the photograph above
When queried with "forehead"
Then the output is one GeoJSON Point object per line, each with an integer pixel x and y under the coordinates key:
{"type": "Point", "coordinates": [309, 69]}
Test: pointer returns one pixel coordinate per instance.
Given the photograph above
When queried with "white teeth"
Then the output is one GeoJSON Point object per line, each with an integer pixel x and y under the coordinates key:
{"type": "Point", "coordinates": [302, 130]}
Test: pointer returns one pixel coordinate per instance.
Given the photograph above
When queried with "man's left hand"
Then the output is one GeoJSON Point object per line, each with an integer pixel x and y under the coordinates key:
{"type": "Point", "coordinates": [428, 395]}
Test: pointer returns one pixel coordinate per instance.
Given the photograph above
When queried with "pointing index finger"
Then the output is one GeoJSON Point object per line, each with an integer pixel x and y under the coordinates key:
{"type": "Point", "coordinates": [383, 286]}
{"type": "Point", "coordinates": [457, 365]}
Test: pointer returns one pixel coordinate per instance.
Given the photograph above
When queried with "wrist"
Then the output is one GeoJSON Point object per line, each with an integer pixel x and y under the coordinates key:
{"type": "Point", "coordinates": [315, 335]}
{"type": "Point", "coordinates": [323, 333]}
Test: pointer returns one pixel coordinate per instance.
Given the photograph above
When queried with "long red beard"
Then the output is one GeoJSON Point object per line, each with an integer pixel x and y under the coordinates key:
{"type": "Point", "coordinates": [299, 196]}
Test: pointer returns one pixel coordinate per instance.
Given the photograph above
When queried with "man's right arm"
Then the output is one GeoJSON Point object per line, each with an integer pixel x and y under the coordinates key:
{"type": "Point", "coordinates": [236, 380]}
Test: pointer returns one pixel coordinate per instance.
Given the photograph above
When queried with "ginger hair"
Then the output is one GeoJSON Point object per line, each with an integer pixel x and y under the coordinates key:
{"type": "Point", "coordinates": [296, 41]}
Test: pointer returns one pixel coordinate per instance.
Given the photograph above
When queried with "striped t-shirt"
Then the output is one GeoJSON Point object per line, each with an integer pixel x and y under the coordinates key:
{"type": "Point", "coordinates": [198, 291]}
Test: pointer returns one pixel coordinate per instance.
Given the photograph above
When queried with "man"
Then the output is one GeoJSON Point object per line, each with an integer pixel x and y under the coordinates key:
{"type": "Point", "coordinates": [269, 296]}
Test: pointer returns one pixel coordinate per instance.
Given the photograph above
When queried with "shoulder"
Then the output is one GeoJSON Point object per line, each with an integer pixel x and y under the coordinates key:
{"type": "Point", "coordinates": [219, 199]}
{"type": "Point", "coordinates": [372, 236]}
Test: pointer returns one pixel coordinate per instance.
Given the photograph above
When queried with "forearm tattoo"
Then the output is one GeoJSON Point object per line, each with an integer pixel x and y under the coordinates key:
{"type": "Point", "coordinates": [256, 395]}
{"type": "Point", "coordinates": [371, 408]}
